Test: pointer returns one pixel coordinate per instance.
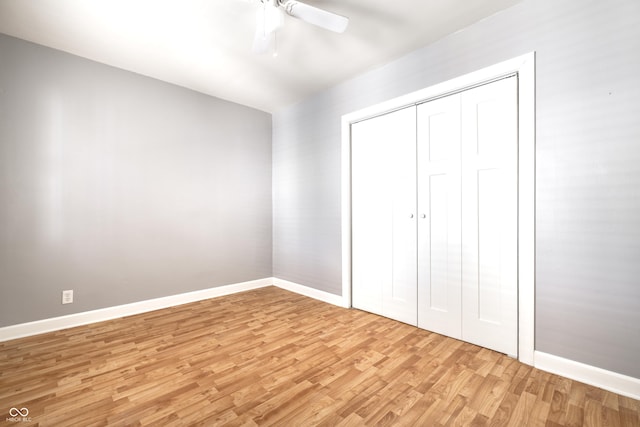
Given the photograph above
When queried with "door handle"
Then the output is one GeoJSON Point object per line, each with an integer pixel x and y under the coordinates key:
{"type": "Point", "coordinates": [423, 215]}
{"type": "Point", "coordinates": [410, 215]}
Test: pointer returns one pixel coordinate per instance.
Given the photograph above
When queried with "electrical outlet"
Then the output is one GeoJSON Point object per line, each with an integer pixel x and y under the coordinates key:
{"type": "Point", "coordinates": [67, 296]}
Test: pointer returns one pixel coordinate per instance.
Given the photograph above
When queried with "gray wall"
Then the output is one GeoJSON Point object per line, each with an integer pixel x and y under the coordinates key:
{"type": "Point", "coordinates": [588, 167]}
{"type": "Point", "coordinates": [122, 187]}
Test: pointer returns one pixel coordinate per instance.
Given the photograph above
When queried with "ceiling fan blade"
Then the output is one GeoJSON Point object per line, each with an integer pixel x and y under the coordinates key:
{"type": "Point", "coordinates": [315, 16]}
{"type": "Point", "coordinates": [268, 20]}
{"type": "Point", "coordinates": [262, 39]}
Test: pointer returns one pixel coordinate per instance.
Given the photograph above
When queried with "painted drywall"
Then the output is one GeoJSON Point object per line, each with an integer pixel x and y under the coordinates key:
{"type": "Point", "coordinates": [121, 187]}
{"type": "Point", "coordinates": [587, 173]}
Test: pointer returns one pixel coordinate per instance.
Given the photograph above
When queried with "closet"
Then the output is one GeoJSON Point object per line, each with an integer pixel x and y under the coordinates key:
{"type": "Point", "coordinates": [434, 199]}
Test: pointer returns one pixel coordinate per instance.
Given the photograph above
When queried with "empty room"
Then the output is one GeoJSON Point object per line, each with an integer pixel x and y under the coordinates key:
{"type": "Point", "coordinates": [319, 213]}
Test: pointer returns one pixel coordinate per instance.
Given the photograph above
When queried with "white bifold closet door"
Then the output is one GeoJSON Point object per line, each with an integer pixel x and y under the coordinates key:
{"type": "Point", "coordinates": [467, 205]}
{"type": "Point", "coordinates": [439, 241]}
{"type": "Point", "coordinates": [434, 215]}
{"type": "Point", "coordinates": [384, 257]}
{"type": "Point", "coordinates": [489, 165]}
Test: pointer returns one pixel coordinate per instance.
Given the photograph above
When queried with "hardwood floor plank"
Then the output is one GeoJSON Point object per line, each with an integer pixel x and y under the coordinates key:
{"type": "Point", "coordinates": [352, 400]}
{"type": "Point", "coordinates": [575, 416]}
{"type": "Point", "coordinates": [490, 402]}
{"type": "Point", "coordinates": [610, 417]}
{"type": "Point", "coordinates": [592, 413]}
{"type": "Point", "coordinates": [521, 415]}
{"type": "Point", "coordinates": [628, 417]}
{"type": "Point", "coordinates": [353, 420]}
{"type": "Point", "coordinates": [505, 410]}
{"type": "Point", "coordinates": [271, 357]}
{"type": "Point", "coordinates": [558, 409]}
{"type": "Point", "coordinates": [450, 412]}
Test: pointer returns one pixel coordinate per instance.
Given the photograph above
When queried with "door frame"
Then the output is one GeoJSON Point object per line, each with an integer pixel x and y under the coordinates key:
{"type": "Point", "coordinates": [524, 68]}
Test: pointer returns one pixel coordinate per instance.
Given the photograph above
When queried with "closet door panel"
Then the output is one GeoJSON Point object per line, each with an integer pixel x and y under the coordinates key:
{"type": "Point", "coordinates": [399, 297]}
{"type": "Point", "coordinates": [439, 282]}
{"type": "Point", "coordinates": [383, 215]}
{"type": "Point", "coordinates": [489, 216]}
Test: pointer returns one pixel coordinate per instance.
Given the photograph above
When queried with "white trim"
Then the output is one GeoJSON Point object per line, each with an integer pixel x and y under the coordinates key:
{"type": "Point", "coordinates": [309, 292]}
{"type": "Point", "coordinates": [526, 209]}
{"type": "Point", "coordinates": [78, 319]}
{"type": "Point", "coordinates": [346, 211]}
{"type": "Point", "coordinates": [608, 380]}
{"type": "Point", "coordinates": [524, 67]}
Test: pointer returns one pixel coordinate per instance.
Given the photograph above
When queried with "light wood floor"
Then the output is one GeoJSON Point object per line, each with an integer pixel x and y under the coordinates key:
{"type": "Point", "coordinates": [270, 357]}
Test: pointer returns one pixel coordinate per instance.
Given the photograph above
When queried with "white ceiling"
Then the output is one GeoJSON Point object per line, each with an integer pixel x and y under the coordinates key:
{"type": "Point", "coordinates": [205, 45]}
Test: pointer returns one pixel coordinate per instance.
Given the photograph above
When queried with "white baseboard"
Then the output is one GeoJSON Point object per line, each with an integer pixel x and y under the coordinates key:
{"type": "Point", "coordinates": [78, 319]}
{"type": "Point", "coordinates": [310, 292]}
{"type": "Point", "coordinates": [607, 380]}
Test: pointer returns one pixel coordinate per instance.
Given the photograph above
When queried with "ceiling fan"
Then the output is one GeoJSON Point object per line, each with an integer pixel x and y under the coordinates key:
{"type": "Point", "coordinates": [269, 17]}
